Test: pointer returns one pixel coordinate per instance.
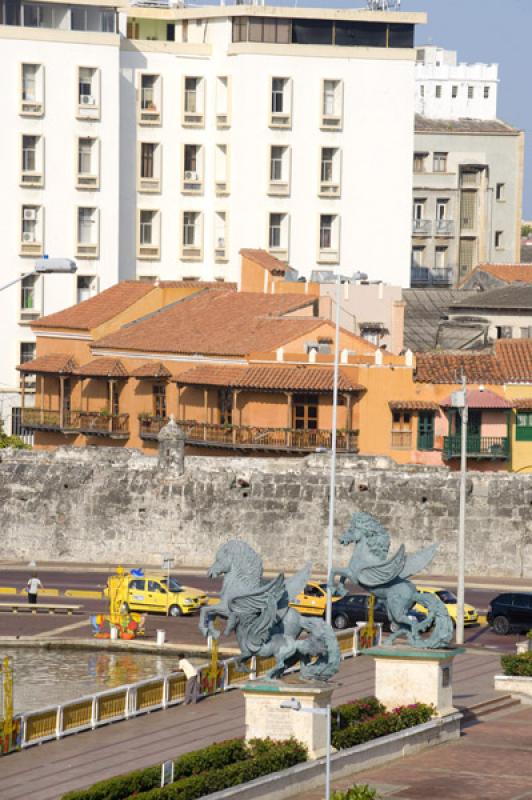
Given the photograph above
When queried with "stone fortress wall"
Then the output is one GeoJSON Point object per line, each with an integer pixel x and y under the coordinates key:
{"type": "Point", "coordinates": [105, 505]}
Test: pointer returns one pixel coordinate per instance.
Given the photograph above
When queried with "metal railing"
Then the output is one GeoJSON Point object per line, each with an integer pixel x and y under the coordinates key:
{"type": "Point", "coordinates": [431, 276]}
{"type": "Point", "coordinates": [253, 437]}
{"type": "Point", "coordinates": [444, 227]}
{"type": "Point", "coordinates": [477, 446]}
{"type": "Point", "coordinates": [88, 422]}
{"type": "Point", "coordinates": [125, 702]}
{"type": "Point", "coordinates": [422, 227]}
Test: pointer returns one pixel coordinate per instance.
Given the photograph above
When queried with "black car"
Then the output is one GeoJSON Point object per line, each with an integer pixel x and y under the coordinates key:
{"type": "Point", "coordinates": [353, 608]}
{"type": "Point", "coordinates": [511, 611]}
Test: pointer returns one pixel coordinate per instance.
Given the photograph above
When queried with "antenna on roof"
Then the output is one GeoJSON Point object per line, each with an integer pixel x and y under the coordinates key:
{"type": "Point", "coordinates": [384, 5]}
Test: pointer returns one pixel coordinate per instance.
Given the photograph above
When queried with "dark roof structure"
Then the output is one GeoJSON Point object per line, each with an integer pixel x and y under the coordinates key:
{"type": "Point", "coordinates": [518, 298]}
{"type": "Point", "coordinates": [426, 322]}
{"type": "Point", "coordinates": [462, 125]}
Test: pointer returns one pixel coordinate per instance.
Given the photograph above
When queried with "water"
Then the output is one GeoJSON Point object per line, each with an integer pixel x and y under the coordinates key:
{"type": "Point", "coordinates": [44, 678]}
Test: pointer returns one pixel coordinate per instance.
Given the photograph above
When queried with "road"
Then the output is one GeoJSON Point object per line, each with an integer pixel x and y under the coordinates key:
{"type": "Point", "coordinates": [184, 629]}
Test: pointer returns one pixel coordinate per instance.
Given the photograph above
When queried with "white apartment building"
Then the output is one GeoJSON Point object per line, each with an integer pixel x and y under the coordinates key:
{"type": "Point", "coordinates": [468, 172]}
{"type": "Point", "coordinates": [448, 90]}
{"type": "Point", "coordinates": [157, 141]}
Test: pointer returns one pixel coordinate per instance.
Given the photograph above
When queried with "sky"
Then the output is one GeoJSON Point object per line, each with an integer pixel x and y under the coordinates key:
{"type": "Point", "coordinates": [490, 31]}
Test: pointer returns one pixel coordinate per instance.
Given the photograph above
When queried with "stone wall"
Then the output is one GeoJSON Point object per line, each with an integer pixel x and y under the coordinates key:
{"type": "Point", "coordinates": [106, 505]}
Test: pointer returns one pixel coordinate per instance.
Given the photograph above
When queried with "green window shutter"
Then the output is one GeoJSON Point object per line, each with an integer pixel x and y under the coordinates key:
{"type": "Point", "coordinates": [425, 430]}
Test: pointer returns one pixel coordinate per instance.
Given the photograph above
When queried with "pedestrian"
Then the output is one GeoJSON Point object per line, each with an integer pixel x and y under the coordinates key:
{"type": "Point", "coordinates": [32, 589]}
{"type": "Point", "coordinates": [191, 674]}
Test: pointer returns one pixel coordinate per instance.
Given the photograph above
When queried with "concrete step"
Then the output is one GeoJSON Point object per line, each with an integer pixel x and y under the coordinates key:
{"type": "Point", "coordinates": [486, 707]}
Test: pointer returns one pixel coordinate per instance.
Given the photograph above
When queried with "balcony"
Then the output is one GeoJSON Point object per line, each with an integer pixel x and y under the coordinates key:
{"type": "Point", "coordinates": [422, 227]}
{"type": "Point", "coordinates": [444, 227]}
{"type": "Point", "coordinates": [494, 447]}
{"type": "Point", "coordinates": [431, 276]}
{"type": "Point", "coordinates": [91, 423]}
{"type": "Point", "coordinates": [242, 437]}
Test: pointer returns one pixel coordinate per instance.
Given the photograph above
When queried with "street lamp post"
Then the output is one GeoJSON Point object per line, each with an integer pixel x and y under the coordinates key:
{"type": "Point", "coordinates": [45, 266]}
{"type": "Point", "coordinates": [294, 705]}
{"type": "Point", "coordinates": [459, 401]}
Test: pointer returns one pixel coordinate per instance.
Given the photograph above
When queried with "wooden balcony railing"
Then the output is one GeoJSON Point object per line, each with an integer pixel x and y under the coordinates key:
{"type": "Point", "coordinates": [253, 437]}
{"type": "Point", "coordinates": [477, 447]}
{"type": "Point", "coordinates": [92, 423]}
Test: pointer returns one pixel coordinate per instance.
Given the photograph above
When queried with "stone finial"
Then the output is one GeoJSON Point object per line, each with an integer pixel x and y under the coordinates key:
{"type": "Point", "coordinates": [378, 357]}
{"type": "Point", "coordinates": [312, 356]}
{"type": "Point", "coordinates": [171, 440]}
{"type": "Point", "coordinates": [409, 358]}
{"type": "Point", "coordinates": [344, 356]}
{"type": "Point", "coordinates": [279, 354]}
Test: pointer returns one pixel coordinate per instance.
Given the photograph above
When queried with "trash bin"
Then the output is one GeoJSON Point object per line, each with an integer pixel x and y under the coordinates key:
{"type": "Point", "coordinates": [161, 636]}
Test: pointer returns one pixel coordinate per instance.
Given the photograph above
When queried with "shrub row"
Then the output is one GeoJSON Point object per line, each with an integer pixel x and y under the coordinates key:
{"type": "Point", "coordinates": [382, 724]}
{"type": "Point", "coordinates": [219, 765]}
{"type": "Point", "coordinates": [359, 792]}
{"type": "Point", "coordinates": [265, 760]}
{"type": "Point", "coordinates": [520, 665]}
{"type": "Point", "coordinates": [355, 711]}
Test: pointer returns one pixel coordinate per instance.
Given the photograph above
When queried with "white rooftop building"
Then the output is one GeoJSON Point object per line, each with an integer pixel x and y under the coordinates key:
{"type": "Point", "coordinates": [448, 90]}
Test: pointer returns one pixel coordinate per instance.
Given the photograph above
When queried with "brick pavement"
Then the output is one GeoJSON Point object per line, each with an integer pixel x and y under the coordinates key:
{"type": "Point", "coordinates": [45, 772]}
{"type": "Point", "coordinates": [491, 761]}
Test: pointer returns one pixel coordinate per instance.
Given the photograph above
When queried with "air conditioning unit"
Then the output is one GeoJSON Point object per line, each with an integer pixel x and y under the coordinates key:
{"type": "Point", "coordinates": [191, 176]}
{"type": "Point", "coordinates": [87, 100]}
{"type": "Point", "coordinates": [28, 238]}
{"type": "Point", "coordinates": [30, 214]}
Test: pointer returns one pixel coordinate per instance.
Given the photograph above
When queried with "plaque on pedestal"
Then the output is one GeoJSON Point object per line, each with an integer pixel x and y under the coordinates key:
{"type": "Point", "coordinates": [406, 675]}
{"type": "Point", "coordinates": [266, 718]}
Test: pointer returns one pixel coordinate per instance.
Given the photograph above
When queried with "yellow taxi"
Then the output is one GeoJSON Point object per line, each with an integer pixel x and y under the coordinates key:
{"type": "Point", "coordinates": [450, 602]}
{"type": "Point", "coordinates": [313, 599]}
{"type": "Point", "coordinates": [153, 592]}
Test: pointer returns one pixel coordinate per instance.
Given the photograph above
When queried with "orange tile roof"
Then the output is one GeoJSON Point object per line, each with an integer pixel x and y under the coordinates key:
{"type": "Point", "coordinates": [481, 399]}
{"type": "Point", "coordinates": [300, 378]}
{"type": "Point", "coordinates": [217, 322]}
{"type": "Point", "coordinates": [515, 358]}
{"type": "Point", "coordinates": [98, 309]}
{"type": "Point", "coordinates": [103, 368]}
{"type": "Point", "coordinates": [196, 284]}
{"type": "Point", "coordinates": [511, 362]}
{"type": "Point", "coordinates": [265, 260]}
{"type": "Point", "coordinates": [152, 369]}
{"type": "Point", "coordinates": [413, 405]}
{"type": "Point", "coordinates": [55, 363]}
{"type": "Point", "coordinates": [510, 273]}
{"type": "Point", "coordinates": [523, 403]}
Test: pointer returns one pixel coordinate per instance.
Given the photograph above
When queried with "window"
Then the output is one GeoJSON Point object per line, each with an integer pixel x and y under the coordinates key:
{"type": "Point", "coordinates": [439, 162]}
{"type": "Point", "coordinates": [440, 257]}
{"type": "Point", "coordinates": [192, 169]}
{"type": "Point", "coordinates": [499, 192]}
{"type": "Point", "coordinates": [330, 172]}
{"type": "Point", "coordinates": [526, 333]}
{"type": "Point", "coordinates": [221, 169]}
{"type": "Point", "coordinates": [27, 352]}
{"type": "Point", "coordinates": [148, 234]}
{"type": "Point", "coordinates": [468, 205]}
{"type": "Point", "coordinates": [279, 170]}
{"type": "Point", "coordinates": [425, 430]}
{"type": "Point", "coordinates": [149, 167]}
{"type": "Point", "coordinates": [150, 97]}
{"type": "Point", "coordinates": [220, 236]}
{"type": "Point", "coordinates": [331, 110]}
{"type": "Point", "coordinates": [193, 102]}
{"type": "Point", "coordinates": [85, 287]}
{"type": "Point", "coordinates": [280, 116]}
{"type": "Point", "coordinates": [240, 29]}
{"type": "Point", "coordinates": [438, 91]}
{"type": "Point", "coordinates": [225, 406]}
{"type": "Point", "coordinates": [87, 233]}
{"type": "Point", "coordinates": [32, 90]}
{"type": "Point", "coordinates": [523, 426]}
{"type": "Point", "coordinates": [466, 256]}
{"type": "Point", "coordinates": [499, 240]}
{"type": "Point", "coordinates": [159, 399]}
{"type": "Point", "coordinates": [88, 167]}
{"type": "Point", "coordinates": [422, 91]}
{"type": "Point", "coordinates": [278, 234]}
{"type": "Point", "coordinates": [419, 209]}
{"type": "Point", "coordinates": [31, 165]}
{"type": "Point", "coordinates": [418, 256]}
{"type": "Point", "coordinates": [30, 299]}
{"type": "Point", "coordinates": [454, 92]}
{"type": "Point", "coordinates": [401, 429]}
{"type": "Point", "coordinates": [223, 102]}
{"type": "Point", "coordinates": [88, 93]}
{"type": "Point", "coordinates": [486, 92]}
{"type": "Point", "coordinates": [305, 412]}
{"type": "Point", "coordinates": [191, 249]}
{"type": "Point", "coordinates": [419, 162]}
{"type": "Point", "coordinates": [31, 231]}
{"type": "Point", "coordinates": [470, 92]}
{"type": "Point", "coordinates": [329, 238]}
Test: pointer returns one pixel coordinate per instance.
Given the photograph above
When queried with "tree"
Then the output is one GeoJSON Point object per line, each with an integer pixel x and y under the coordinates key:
{"type": "Point", "coordinates": [526, 229]}
{"type": "Point", "coordinates": [11, 441]}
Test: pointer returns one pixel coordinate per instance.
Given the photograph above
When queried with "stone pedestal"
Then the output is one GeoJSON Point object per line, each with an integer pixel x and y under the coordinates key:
{"type": "Point", "coordinates": [405, 675]}
{"type": "Point", "coordinates": [265, 717]}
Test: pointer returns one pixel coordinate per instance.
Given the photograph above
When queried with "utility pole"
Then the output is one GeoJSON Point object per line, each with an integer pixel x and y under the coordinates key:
{"type": "Point", "coordinates": [461, 405]}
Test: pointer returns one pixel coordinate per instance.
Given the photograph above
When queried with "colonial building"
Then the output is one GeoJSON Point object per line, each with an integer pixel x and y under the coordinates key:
{"type": "Point", "coordinates": [155, 141]}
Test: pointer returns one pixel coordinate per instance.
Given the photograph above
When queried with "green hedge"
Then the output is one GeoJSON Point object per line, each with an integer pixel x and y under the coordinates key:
{"type": "Point", "coordinates": [355, 711]}
{"type": "Point", "coordinates": [220, 765]}
{"type": "Point", "coordinates": [279, 756]}
{"type": "Point", "coordinates": [356, 793]}
{"type": "Point", "coordinates": [520, 665]}
{"type": "Point", "coordinates": [381, 725]}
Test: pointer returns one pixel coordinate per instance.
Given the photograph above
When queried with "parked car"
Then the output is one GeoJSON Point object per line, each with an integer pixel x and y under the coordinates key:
{"type": "Point", "coordinates": [511, 611]}
{"type": "Point", "coordinates": [313, 599]}
{"type": "Point", "coordinates": [450, 602]}
{"type": "Point", "coordinates": [353, 608]}
{"type": "Point", "coordinates": [152, 592]}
